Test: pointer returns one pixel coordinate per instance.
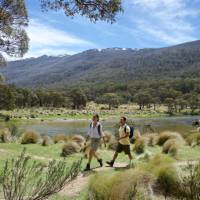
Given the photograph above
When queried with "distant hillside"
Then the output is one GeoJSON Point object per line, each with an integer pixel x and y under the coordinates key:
{"type": "Point", "coordinates": [114, 64]}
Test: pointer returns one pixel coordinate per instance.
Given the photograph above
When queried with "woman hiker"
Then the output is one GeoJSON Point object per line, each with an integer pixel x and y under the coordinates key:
{"type": "Point", "coordinates": [95, 134]}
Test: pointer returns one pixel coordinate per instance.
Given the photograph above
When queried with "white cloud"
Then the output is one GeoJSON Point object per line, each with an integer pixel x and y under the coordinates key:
{"type": "Point", "coordinates": [165, 20]}
{"type": "Point", "coordinates": [45, 39]}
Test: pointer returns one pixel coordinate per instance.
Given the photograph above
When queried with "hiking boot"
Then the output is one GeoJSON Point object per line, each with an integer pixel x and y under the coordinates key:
{"type": "Point", "coordinates": [100, 162]}
{"type": "Point", "coordinates": [111, 163]}
{"type": "Point", "coordinates": [87, 168]}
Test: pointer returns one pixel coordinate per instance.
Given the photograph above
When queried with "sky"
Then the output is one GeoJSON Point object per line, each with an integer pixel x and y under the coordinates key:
{"type": "Point", "coordinates": [143, 24]}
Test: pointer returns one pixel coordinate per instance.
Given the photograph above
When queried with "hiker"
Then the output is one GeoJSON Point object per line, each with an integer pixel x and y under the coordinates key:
{"type": "Point", "coordinates": [95, 134]}
{"type": "Point", "coordinates": [123, 142]}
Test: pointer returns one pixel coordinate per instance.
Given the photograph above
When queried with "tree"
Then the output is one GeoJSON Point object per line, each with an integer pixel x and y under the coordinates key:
{"type": "Point", "coordinates": [143, 98]}
{"type": "Point", "coordinates": [13, 20]}
{"type": "Point", "coordinates": [105, 10]}
{"type": "Point", "coordinates": [7, 98]}
{"type": "Point", "coordinates": [78, 98]}
{"type": "Point", "coordinates": [112, 99]}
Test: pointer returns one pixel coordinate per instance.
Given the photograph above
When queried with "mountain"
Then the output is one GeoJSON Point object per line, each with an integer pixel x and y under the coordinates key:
{"type": "Point", "coordinates": [111, 64]}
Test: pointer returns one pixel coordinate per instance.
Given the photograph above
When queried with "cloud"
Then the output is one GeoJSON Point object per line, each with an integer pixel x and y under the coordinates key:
{"type": "Point", "coordinates": [45, 39]}
{"type": "Point", "coordinates": [166, 21]}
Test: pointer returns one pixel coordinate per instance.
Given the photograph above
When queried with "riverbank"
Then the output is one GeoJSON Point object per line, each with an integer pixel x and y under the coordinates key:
{"type": "Point", "coordinates": [64, 114]}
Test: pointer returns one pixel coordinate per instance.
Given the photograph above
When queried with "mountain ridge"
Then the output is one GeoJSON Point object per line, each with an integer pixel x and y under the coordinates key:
{"type": "Point", "coordinates": [100, 65]}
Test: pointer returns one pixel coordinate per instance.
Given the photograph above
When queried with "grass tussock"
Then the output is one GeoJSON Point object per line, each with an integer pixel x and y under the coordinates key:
{"type": "Point", "coordinates": [139, 146]}
{"type": "Point", "coordinates": [108, 136]}
{"type": "Point", "coordinates": [46, 141]}
{"type": "Point", "coordinates": [80, 140]}
{"type": "Point", "coordinates": [112, 145]}
{"type": "Point", "coordinates": [193, 139]}
{"type": "Point", "coordinates": [70, 148]}
{"type": "Point", "coordinates": [5, 135]}
{"type": "Point", "coordinates": [171, 147]}
{"type": "Point", "coordinates": [30, 137]}
{"type": "Point", "coordinates": [151, 139]}
{"type": "Point", "coordinates": [59, 138]}
{"type": "Point", "coordinates": [166, 135]}
{"type": "Point", "coordinates": [130, 184]}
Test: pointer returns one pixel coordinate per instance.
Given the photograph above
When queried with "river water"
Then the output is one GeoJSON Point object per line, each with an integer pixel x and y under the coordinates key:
{"type": "Point", "coordinates": [69, 127]}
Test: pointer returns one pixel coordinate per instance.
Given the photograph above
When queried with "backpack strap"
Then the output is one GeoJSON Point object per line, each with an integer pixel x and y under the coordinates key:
{"type": "Point", "coordinates": [99, 129]}
{"type": "Point", "coordinates": [125, 129]}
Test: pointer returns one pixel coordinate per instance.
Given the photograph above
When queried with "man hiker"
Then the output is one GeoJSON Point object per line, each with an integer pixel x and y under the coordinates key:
{"type": "Point", "coordinates": [95, 134]}
{"type": "Point", "coordinates": [123, 142]}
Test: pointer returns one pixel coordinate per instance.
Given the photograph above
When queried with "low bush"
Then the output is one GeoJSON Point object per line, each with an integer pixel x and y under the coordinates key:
{"type": "Point", "coordinates": [46, 140]}
{"type": "Point", "coordinates": [193, 139]}
{"type": "Point", "coordinates": [70, 148]}
{"type": "Point", "coordinates": [139, 145]}
{"type": "Point", "coordinates": [60, 138]}
{"type": "Point", "coordinates": [30, 137]}
{"type": "Point", "coordinates": [25, 179]}
{"type": "Point", "coordinates": [166, 135]}
{"type": "Point", "coordinates": [171, 147]}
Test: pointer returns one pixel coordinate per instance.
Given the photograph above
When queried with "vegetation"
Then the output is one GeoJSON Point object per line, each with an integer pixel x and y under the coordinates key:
{"type": "Point", "coordinates": [25, 180]}
{"type": "Point", "coordinates": [70, 148]}
{"type": "Point", "coordinates": [14, 19]}
{"type": "Point", "coordinates": [189, 185]}
{"type": "Point", "coordinates": [30, 137]}
{"type": "Point", "coordinates": [95, 10]}
{"type": "Point", "coordinates": [139, 145]}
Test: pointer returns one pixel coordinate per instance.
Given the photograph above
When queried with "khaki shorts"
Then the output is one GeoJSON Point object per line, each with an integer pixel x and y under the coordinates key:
{"type": "Point", "coordinates": [123, 148]}
{"type": "Point", "coordinates": [95, 143]}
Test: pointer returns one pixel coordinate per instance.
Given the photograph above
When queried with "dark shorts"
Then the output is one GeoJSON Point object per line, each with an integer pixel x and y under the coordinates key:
{"type": "Point", "coordinates": [123, 148]}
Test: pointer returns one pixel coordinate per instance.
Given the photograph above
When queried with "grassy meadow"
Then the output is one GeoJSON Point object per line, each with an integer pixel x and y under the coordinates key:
{"type": "Point", "coordinates": [160, 158]}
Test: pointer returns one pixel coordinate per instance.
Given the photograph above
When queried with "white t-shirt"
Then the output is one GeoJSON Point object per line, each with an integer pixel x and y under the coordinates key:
{"type": "Point", "coordinates": [93, 131]}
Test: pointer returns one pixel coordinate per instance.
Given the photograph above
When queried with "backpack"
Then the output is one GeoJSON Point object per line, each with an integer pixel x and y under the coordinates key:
{"type": "Point", "coordinates": [132, 129]}
{"type": "Point", "coordinates": [98, 128]}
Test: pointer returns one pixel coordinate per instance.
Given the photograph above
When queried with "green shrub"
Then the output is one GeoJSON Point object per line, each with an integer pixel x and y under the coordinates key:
{"type": "Point", "coordinates": [25, 179]}
{"type": "Point", "coordinates": [139, 145]}
{"type": "Point", "coordinates": [60, 138]}
{"type": "Point", "coordinates": [166, 135]}
{"type": "Point", "coordinates": [70, 148]}
{"type": "Point", "coordinates": [30, 137]}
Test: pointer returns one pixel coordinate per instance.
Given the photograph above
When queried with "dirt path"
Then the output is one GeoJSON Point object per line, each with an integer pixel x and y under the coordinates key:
{"type": "Point", "coordinates": [73, 189]}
